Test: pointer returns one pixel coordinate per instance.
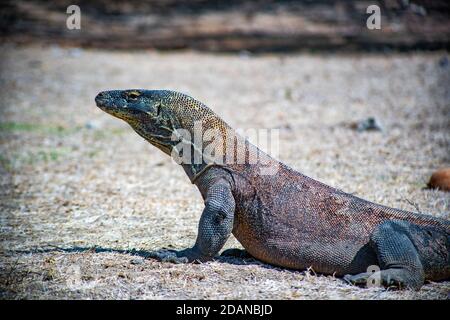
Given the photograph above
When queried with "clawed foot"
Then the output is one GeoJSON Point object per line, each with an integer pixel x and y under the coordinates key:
{"type": "Point", "coordinates": [181, 256]}
{"type": "Point", "coordinates": [357, 279]}
{"type": "Point", "coordinates": [391, 278]}
{"type": "Point", "coordinates": [191, 255]}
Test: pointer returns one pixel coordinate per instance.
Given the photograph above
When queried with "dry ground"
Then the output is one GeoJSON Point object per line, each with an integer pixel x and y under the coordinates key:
{"type": "Point", "coordinates": [75, 178]}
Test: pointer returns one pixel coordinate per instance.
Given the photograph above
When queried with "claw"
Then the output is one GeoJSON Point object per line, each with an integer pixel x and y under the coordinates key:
{"type": "Point", "coordinates": [357, 279]}
{"type": "Point", "coordinates": [167, 256]}
{"type": "Point", "coordinates": [177, 257]}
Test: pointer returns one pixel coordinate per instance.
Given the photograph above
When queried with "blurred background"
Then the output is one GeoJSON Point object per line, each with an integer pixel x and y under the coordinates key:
{"type": "Point", "coordinates": [83, 198]}
{"type": "Point", "coordinates": [214, 25]}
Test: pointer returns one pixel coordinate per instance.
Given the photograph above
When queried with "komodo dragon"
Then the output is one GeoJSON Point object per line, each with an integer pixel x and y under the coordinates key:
{"type": "Point", "coordinates": [281, 216]}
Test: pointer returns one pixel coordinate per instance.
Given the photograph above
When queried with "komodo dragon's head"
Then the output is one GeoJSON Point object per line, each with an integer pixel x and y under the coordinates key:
{"type": "Point", "coordinates": [157, 115]}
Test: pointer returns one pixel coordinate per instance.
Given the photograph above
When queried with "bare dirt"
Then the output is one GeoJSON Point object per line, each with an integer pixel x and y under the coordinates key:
{"type": "Point", "coordinates": [83, 197]}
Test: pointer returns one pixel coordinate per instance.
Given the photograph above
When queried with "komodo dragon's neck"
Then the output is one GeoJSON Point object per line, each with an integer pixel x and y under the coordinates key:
{"type": "Point", "coordinates": [209, 141]}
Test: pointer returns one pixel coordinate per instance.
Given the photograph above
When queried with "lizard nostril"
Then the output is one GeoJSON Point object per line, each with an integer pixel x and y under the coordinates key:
{"type": "Point", "coordinates": [100, 99]}
{"type": "Point", "coordinates": [100, 96]}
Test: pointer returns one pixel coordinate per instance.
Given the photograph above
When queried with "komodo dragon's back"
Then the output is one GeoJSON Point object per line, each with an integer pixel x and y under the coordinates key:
{"type": "Point", "coordinates": [279, 215]}
{"type": "Point", "coordinates": [301, 223]}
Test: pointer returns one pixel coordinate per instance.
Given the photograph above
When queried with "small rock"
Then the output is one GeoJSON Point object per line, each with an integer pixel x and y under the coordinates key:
{"type": "Point", "coordinates": [92, 125]}
{"type": "Point", "coordinates": [137, 261]}
{"type": "Point", "coordinates": [440, 180]}
{"type": "Point", "coordinates": [369, 124]}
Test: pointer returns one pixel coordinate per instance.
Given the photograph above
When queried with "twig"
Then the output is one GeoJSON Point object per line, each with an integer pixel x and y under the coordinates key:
{"type": "Point", "coordinates": [415, 205]}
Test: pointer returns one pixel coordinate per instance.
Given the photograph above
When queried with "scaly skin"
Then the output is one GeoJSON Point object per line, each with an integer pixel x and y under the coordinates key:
{"type": "Point", "coordinates": [279, 215]}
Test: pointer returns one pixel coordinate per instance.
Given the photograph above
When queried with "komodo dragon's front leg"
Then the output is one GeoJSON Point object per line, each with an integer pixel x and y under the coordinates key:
{"type": "Point", "coordinates": [215, 226]}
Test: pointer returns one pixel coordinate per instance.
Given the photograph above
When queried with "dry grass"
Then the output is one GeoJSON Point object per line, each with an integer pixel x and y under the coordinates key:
{"type": "Point", "coordinates": [73, 177]}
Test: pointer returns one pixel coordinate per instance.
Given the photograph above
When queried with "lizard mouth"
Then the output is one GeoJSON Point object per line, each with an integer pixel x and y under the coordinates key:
{"type": "Point", "coordinates": [101, 100]}
{"type": "Point", "coordinates": [112, 106]}
{"type": "Point", "coordinates": [112, 103]}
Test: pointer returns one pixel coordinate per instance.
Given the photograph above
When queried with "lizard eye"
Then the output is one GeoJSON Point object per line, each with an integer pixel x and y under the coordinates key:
{"type": "Point", "coordinates": [133, 95]}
